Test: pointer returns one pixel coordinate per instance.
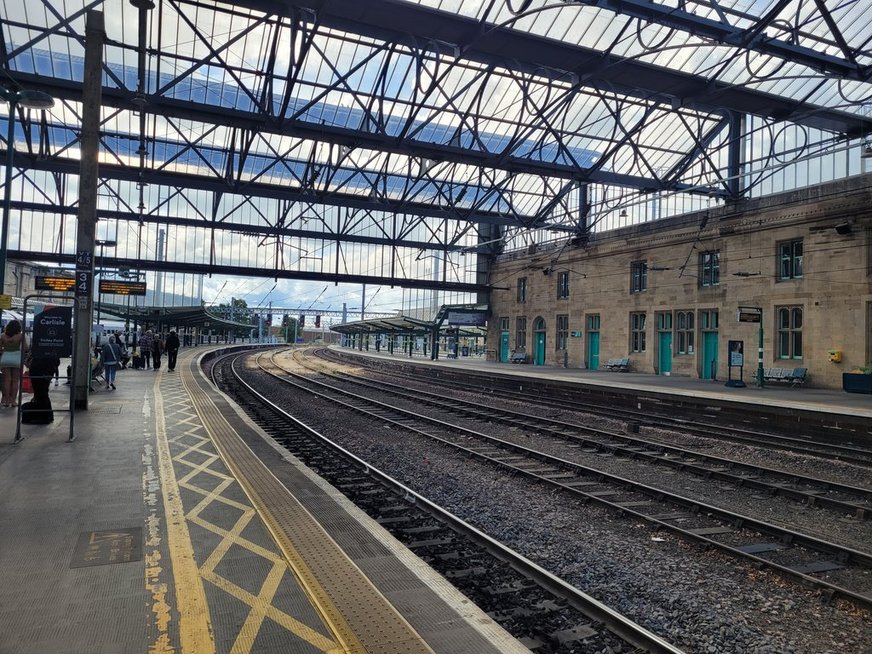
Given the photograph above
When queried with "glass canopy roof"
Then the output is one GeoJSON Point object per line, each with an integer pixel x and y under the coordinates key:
{"type": "Point", "coordinates": [401, 127]}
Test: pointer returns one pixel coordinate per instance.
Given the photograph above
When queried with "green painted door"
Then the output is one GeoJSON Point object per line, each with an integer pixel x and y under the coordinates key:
{"type": "Point", "coordinates": [539, 358]}
{"type": "Point", "coordinates": [504, 346]}
{"type": "Point", "coordinates": [709, 355]}
{"type": "Point", "coordinates": [665, 353]}
{"type": "Point", "coordinates": [593, 340]}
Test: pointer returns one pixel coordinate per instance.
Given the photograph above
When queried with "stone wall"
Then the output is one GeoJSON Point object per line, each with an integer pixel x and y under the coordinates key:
{"type": "Point", "coordinates": [834, 291]}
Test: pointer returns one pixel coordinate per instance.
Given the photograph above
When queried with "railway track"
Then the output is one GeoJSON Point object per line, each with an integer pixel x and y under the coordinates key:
{"type": "Point", "coordinates": [835, 570]}
{"type": "Point", "coordinates": [542, 611]}
{"type": "Point", "coordinates": [649, 413]}
{"type": "Point", "coordinates": [844, 499]}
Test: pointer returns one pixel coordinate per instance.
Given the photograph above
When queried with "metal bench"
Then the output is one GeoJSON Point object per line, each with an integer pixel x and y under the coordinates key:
{"type": "Point", "coordinates": [618, 365]}
{"type": "Point", "coordinates": [794, 377]}
{"type": "Point", "coordinates": [518, 357]}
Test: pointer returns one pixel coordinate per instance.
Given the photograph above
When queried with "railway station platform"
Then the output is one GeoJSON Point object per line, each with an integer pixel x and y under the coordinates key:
{"type": "Point", "coordinates": [173, 524]}
{"type": "Point", "coordinates": [803, 398]}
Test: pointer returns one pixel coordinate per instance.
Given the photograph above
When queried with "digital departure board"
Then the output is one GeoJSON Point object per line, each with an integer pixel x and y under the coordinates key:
{"type": "Point", "coordinates": [119, 287]}
{"type": "Point", "coordinates": [59, 284]}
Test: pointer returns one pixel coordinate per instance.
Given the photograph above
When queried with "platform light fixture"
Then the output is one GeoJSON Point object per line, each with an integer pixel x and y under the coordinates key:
{"type": "Point", "coordinates": [31, 100]}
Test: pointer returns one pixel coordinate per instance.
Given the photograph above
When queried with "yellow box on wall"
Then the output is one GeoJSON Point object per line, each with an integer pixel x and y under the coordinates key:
{"type": "Point", "coordinates": [835, 355]}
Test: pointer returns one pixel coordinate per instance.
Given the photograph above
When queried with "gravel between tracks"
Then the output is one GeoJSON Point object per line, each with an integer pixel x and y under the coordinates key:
{"type": "Point", "coordinates": [701, 601]}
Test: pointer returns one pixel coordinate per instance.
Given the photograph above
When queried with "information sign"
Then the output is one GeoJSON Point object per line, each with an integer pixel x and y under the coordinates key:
{"type": "Point", "coordinates": [748, 315]}
{"type": "Point", "coordinates": [737, 353]}
{"type": "Point", "coordinates": [83, 283]}
{"type": "Point", "coordinates": [119, 287]}
{"type": "Point", "coordinates": [478, 319]}
{"type": "Point", "coordinates": [53, 332]}
{"type": "Point", "coordinates": [58, 284]}
{"type": "Point", "coordinates": [5, 301]}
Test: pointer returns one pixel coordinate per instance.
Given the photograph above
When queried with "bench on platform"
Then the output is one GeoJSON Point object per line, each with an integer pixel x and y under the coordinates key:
{"type": "Point", "coordinates": [619, 365]}
{"type": "Point", "coordinates": [519, 356]}
{"type": "Point", "coordinates": [792, 376]}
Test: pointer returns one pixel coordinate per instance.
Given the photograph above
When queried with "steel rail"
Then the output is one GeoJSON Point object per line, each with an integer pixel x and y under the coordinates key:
{"type": "Point", "coordinates": [619, 625]}
{"type": "Point", "coordinates": [838, 556]}
{"type": "Point", "coordinates": [829, 450]}
{"type": "Point", "coordinates": [738, 473]}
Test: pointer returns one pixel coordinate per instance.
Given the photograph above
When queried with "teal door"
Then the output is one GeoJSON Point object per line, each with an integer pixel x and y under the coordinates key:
{"type": "Point", "coordinates": [709, 355]}
{"type": "Point", "coordinates": [593, 339]}
{"type": "Point", "coordinates": [504, 346]}
{"type": "Point", "coordinates": [665, 353]}
{"type": "Point", "coordinates": [539, 358]}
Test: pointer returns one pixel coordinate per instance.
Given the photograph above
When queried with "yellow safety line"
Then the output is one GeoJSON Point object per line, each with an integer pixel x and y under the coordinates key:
{"type": "Point", "coordinates": [195, 629]}
{"type": "Point", "coordinates": [318, 596]}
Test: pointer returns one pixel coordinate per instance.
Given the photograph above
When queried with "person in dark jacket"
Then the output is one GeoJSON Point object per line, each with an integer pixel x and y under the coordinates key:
{"type": "Point", "coordinates": [145, 342]}
{"type": "Point", "coordinates": [172, 349]}
{"type": "Point", "coordinates": [157, 348]}
{"type": "Point", "coordinates": [39, 409]}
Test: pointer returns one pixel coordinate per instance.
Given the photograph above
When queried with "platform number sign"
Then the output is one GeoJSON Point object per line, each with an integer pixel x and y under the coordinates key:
{"type": "Point", "coordinates": [83, 283]}
{"type": "Point", "coordinates": [84, 259]}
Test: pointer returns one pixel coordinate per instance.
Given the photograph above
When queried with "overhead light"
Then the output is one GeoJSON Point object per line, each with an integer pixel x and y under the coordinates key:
{"type": "Point", "coordinates": [742, 273]}
{"type": "Point", "coordinates": [658, 268]}
{"type": "Point", "coordinates": [623, 213]}
{"type": "Point", "coordinates": [843, 229]}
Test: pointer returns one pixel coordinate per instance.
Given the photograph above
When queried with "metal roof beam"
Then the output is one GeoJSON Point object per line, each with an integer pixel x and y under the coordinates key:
{"type": "Point", "coordinates": [489, 44]}
{"type": "Point", "coordinates": [246, 271]}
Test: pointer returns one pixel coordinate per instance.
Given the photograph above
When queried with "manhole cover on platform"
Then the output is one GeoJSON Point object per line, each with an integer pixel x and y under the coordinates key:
{"type": "Point", "coordinates": [109, 546]}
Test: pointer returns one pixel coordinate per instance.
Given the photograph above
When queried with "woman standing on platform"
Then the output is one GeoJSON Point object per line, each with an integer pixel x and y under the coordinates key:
{"type": "Point", "coordinates": [111, 358]}
{"type": "Point", "coordinates": [12, 347]}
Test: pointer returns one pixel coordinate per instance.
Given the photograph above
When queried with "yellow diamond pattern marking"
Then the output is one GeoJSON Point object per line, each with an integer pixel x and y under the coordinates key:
{"type": "Point", "coordinates": [194, 457]}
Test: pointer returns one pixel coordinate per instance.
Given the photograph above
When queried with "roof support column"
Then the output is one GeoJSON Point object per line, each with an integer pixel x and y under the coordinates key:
{"type": "Point", "coordinates": [95, 35]}
{"type": "Point", "coordinates": [735, 163]}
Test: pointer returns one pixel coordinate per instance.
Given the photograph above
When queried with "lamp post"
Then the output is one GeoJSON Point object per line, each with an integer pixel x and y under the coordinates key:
{"type": "Point", "coordinates": [102, 244]}
{"type": "Point", "coordinates": [31, 100]}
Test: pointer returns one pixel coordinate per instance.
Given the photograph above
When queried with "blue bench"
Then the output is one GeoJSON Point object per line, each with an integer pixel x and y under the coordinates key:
{"type": "Point", "coordinates": [792, 376]}
{"type": "Point", "coordinates": [618, 365]}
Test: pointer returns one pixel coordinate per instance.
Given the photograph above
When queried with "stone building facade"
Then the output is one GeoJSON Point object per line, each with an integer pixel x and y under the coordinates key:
{"type": "Point", "coordinates": [666, 294]}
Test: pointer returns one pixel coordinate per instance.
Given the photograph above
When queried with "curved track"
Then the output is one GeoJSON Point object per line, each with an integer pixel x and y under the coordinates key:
{"type": "Point", "coordinates": [545, 613]}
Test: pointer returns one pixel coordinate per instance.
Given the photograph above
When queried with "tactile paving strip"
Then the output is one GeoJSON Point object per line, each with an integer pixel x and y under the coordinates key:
{"type": "Point", "coordinates": [251, 600]}
{"type": "Point", "coordinates": [362, 619]}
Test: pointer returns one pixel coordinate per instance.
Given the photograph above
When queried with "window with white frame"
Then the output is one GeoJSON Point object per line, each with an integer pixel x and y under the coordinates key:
{"type": "Point", "coordinates": [562, 285]}
{"type": "Point", "coordinates": [789, 321]}
{"type": "Point", "coordinates": [521, 333]}
{"type": "Point", "coordinates": [709, 268]}
{"type": "Point", "coordinates": [638, 276]}
{"type": "Point", "coordinates": [562, 332]}
{"type": "Point", "coordinates": [637, 332]}
{"type": "Point", "coordinates": [522, 290]}
{"type": "Point", "coordinates": [790, 259]}
{"type": "Point", "coordinates": [684, 332]}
